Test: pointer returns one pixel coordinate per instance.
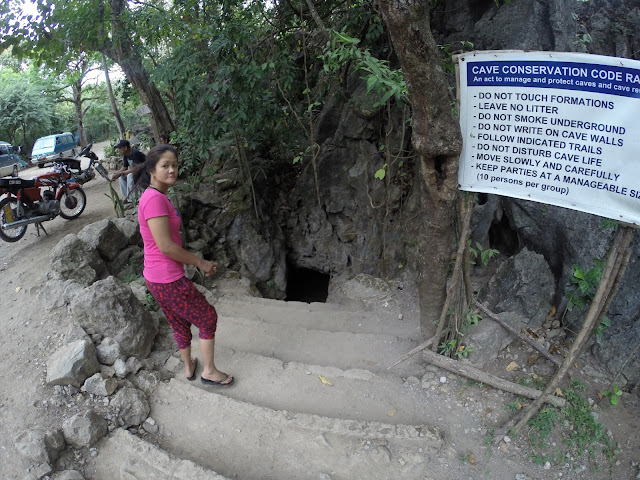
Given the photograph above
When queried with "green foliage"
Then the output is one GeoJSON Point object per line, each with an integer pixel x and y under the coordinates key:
{"type": "Point", "coordinates": [542, 425]}
{"type": "Point", "coordinates": [485, 255]}
{"type": "Point", "coordinates": [604, 323]}
{"type": "Point", "coordinates": [118, 205]}
{"type": "Point", "coordinates": [446, 348]}
{"type": "Point", "coordinates": [463, 351]}
{"type": "Point", "coordinates": [149, 303]}
{"type": "Point", "coordinates": [387, 83]}
{"type": "Point", "coordinates": [25, 113]}
{"type": "Point", "coordinates": [581, 432]}
{"type": "Point", "coordinates": [607, 224]}
{"type": "Point", "coordinates": [586, 283]}
{"type": "Point", "coordinates": [613, 395]}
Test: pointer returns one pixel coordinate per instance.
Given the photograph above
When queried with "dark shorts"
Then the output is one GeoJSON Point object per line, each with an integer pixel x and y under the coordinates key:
{"type": "Point", "coordinates": [184, 305]}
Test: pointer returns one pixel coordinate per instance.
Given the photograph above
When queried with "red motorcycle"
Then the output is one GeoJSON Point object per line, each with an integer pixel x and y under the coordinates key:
{"type": "Point", "coordinates": [37, 200]}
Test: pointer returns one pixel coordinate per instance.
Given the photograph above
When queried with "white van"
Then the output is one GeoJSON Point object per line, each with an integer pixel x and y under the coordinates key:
{"type": "Point", "coordinates": [46, 149]}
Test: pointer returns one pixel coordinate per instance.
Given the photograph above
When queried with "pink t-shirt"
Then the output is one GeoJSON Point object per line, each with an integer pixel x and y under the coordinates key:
{"type": "Point", "coordinates": [158, 268]}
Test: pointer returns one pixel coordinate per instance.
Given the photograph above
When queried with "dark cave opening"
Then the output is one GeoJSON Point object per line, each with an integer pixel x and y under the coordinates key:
{"type": "Point", "coordinates": [306, 285]}
{"type": "Point", "coordinates": [503, 238]}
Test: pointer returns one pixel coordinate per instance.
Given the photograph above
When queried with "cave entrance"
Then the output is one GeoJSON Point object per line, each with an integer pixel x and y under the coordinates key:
{"type": "Point", "coordinates": [306, 285]}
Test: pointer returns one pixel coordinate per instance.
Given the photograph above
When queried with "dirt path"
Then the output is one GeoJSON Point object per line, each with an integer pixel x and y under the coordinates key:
{"type": "Point", "coordinates": [30, 335]}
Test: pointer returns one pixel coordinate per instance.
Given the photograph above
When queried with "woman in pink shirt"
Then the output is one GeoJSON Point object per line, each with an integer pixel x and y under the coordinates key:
{"type": "Point", "coordinates": [164, 260]}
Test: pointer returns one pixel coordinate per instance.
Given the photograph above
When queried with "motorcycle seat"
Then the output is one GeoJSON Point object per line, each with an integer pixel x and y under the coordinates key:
{"type": "Point", "coordinates": [13, 182]}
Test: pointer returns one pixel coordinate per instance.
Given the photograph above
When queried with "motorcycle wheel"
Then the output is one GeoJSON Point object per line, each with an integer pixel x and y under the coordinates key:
{"type": "Point", "coordinates": [10, 234]}
{"type": "Point", "coordinates": [72, 203]}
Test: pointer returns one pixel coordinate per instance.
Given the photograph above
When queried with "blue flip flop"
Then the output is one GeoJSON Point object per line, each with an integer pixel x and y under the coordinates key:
{"type": "Point", "coordinates": [219, 382]}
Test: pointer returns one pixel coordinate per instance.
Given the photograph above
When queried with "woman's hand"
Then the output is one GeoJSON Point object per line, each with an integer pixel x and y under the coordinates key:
{"type": "Point", "coordinates": [209, 268]}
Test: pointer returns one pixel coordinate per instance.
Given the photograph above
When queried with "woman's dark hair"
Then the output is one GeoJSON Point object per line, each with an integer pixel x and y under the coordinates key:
{"type": "Point", "coordinates": [142, 173]}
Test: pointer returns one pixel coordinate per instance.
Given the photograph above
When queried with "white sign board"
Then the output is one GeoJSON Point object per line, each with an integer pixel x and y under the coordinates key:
{"type": "Point", "coordinates": [557, 128]}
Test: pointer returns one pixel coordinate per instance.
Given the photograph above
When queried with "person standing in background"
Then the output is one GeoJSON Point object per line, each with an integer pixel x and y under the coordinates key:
{"type": "Point", "coordinates": [130, 159]}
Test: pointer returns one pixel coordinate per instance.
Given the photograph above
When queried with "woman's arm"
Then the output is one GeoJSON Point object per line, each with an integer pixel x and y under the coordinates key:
{"type": "Point", "coordinates": [161, 233]}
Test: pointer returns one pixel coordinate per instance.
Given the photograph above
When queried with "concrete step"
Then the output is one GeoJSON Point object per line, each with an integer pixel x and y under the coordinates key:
{"type": "Point", "coordinates": [355, 394]}
{"type": "Point", "coordinates": [124, 456]}
{"type": "Point", "coordinates": [344, 350]}
{"type": "Point", "coordinates": [241, 440]}
{"type": "Point", "coordinates": [318, 316]}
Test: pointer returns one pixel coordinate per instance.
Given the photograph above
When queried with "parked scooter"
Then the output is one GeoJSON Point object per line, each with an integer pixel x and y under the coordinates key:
{"type": "Point", "coordinates": [37, 200]}
{"type": "Point", "coordinates": [72, 167]}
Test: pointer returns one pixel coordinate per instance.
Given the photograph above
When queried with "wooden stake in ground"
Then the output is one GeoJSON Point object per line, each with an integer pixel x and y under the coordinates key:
{"type": "Point", "coordinates": [614, 269]}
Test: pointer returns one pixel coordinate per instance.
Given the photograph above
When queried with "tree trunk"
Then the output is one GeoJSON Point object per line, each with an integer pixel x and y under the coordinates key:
{"type": "Point", "coordinates": [122, 51]}
{"type": "Point", "coordinates": [112, 98]}
{"type": "Point", "coordinates": [436, 138]}
{"type": "Point", "coordinates": [77, 103]}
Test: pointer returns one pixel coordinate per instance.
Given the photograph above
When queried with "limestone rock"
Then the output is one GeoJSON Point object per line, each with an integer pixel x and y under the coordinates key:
{"type": "Point", "coordinates": [133, 407]}
{"type": "Point", "coordinates": [121, 368]}
{"type": "Point", "coordinates": [105, 237]}
{"type": "Point", "coordinates": [84, 430]}
{"type": "Point", "coordinates": [39, 445]}
{"type": "Point", "coordinates": [98, 385]}
{"type": "Point", "coordinates": [129, 228]}
{"type": "Point", "coordinates": [109, 308]}
{"type": "Point", "coordinates": [75, 260]}
{"type": "Point", "coordinates": [523, 284]}
{"type": "Point", "coordinates": [72, 364]}
{"type": "Point", "coordinates": [108, 351]}
{"type": "Point", "coordinates": [147, 381]}
{"type": "Point", "coordinates": [487, 338]}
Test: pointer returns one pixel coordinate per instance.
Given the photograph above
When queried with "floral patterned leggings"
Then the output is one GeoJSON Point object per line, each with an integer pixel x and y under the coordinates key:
{"type": "Point", "coordinates": [184, 305]}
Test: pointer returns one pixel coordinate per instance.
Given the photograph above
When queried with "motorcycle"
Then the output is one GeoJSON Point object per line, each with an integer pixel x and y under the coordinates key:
{"type": "Point", "coordinates": [72, 169]}
{"type": "Point", "coordinates": [38, 200]}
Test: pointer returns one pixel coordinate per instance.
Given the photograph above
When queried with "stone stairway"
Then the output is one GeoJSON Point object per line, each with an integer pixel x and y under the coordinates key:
{"type": "Point", "coordinates": [279, 420]}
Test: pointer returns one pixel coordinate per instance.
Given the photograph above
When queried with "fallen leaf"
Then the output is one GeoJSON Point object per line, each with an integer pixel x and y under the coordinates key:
{"type": "Point", "coordinates": [600, 395]}
{"type": "Point", "coordinates": [559, 392]}
{"type": "Point", "coordinates": [391, 412]}
{"type": "Point", "coordinates": [575, 365]}
{"type": "Point", "coordinates": [470, 458]}
{"type": "Point", "coordinates": [512, 366]}
{"type": "Point", "coordinates": [533, 359]}
{"type": "Point", "coordinates": [326, 381]}
{"type": "Point", "coordinates": [18, 289]}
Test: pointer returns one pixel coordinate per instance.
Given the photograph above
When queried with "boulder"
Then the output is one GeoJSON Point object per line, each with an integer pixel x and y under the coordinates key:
{"type": "Point", "coordinates": [147, 381]}
{"type": "Point", "coordinates": [57, 293]}
{"type": "Point", "coordinates": [487, 338]}
{"type": "Point", "coordinates": [133, 407]}
{"type": "Point", "coordinates": [39, 445]}
{"type": "Point", "coordinates": [99, 385]}
{"type": "Point", "coordinates": [72, 364]}
{"type": "Point", "coordinates": [105, 237]}
{"type": "Point", "coordinates": [108, 307]}
{"type": "Point", "coordinates": [522, 284]}
{"type": "Point", "coordinates": [75, 260]}
{"type": "Point", "coordinates": [83, 430]}
{"type": "Point", "coordinates": [108, 351]}
{"type": "Point", "coordinates": [128, 226]}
